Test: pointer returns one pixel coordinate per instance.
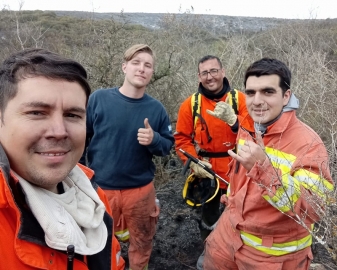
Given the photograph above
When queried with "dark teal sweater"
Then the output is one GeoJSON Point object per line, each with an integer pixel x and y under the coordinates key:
{"type": "Point", "coordinates": [112, 148]}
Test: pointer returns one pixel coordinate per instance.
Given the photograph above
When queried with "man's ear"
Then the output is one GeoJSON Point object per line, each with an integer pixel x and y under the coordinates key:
{"type": "Point", "coordinates": [199, 78]}
{"type": "Point", "coordinates": [124, 67]}
{"type": "Point", "coordinates": [286, 97]}
{"type": "Point", "coordinates": [223, 73]}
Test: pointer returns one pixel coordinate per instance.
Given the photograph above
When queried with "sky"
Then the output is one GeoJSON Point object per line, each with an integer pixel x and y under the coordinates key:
{"type": "Point", "coordinates": [288, 9]}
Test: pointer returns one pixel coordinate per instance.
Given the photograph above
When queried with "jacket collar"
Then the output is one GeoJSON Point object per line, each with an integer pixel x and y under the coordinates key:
{"type": "Point", "coordinates": [4, 164]}
{"type": "Point", "coordinates": [30, 230]}
{"type": "Point", "coordinates": [278, 127]}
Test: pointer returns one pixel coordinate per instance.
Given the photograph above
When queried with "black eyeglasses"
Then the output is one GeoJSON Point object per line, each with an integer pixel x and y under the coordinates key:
{"type": "Point", "coordinates": [213, 73]}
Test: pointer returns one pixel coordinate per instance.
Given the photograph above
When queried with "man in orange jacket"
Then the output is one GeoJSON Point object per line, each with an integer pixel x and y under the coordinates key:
{"type": "Point", "coordinates": [279, 180]}
{"type": "Point", "coordinates": [209, 138]}
{"type": "Point", "coordinates": [47, 202]}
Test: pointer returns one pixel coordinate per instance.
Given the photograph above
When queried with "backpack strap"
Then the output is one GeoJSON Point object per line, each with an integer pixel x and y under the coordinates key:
{"type": "Point", "coordinates": [196, 107]}
{"type": "Point", "coordinates": [233, 101]}
{"type": "Point", "coordinates": [195, 103]}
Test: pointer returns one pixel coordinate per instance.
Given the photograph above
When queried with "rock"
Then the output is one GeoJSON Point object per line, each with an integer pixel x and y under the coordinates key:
{"type": "Point", "coordinates": [316, 266]}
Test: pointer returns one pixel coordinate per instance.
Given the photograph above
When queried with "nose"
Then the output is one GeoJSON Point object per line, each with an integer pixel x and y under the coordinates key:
{"type": "Point", "coordinates": [209, 76]}
{"type": "Point", "coordinates": [258, 99]}
{"type": "Point", "coordinates": [57, 128]}
{"type": "Point", "coordinates": [141, 67]}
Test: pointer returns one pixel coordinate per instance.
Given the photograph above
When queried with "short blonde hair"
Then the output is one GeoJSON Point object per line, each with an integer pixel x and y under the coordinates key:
{"type": "Point", "coordinates": [135, 49]}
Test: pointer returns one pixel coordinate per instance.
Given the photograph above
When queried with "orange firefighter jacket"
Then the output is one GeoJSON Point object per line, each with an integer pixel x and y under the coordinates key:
{"type": "Point", "coordinates": [22, 244]}
{"type": "Point", "coordinates": [212, 136]}
{"type": "Point", "coordinates": [265, 202]}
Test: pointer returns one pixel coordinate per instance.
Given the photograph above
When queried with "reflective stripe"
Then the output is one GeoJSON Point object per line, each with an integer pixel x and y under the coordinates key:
{"type": "Point", "coordinates": [314, 182]}
{"type": "Point", "coordinates": [205, 226]}
{"type": "Point", "coordinates": [289, 192]}
{"type": "Point", "coordinates": [276, 249]}
{"type": "Point", "coordinates": [118, 255]}
{"type": "Point", "coordinates": [240, 142]}
{"type": "Point", "coordinates": [123, 235]}
{"type": "Point", "coordinates": [286, 195]}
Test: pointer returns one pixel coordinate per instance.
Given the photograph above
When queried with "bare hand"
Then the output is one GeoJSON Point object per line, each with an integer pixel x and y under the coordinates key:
{"type": "Point", "coordinates": [145, 135]}
{"type": "Point", "coordinates": [250, 153]}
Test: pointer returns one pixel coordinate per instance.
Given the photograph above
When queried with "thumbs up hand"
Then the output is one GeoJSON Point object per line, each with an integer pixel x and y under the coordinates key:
{"type": "Point", "coordinates": [145, 135]}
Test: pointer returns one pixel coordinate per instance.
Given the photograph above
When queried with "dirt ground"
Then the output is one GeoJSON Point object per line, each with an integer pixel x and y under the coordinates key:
{"type": "Point", "coordinates": [177, 243]}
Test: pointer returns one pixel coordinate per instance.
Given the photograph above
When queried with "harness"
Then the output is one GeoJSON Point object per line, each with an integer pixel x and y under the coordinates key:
{"type": "Point", "coordinates": [196, 108]}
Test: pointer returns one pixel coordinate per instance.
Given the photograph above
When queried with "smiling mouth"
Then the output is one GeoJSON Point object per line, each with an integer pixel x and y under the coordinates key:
{"type": "Point", "coordinates": [52, 154]}
{"type": "Point", "coordinates": [260, 110]}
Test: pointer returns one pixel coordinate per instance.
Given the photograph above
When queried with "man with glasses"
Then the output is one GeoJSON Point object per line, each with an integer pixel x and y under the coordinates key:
{"type": "Point", "coordinates": [207, 137]}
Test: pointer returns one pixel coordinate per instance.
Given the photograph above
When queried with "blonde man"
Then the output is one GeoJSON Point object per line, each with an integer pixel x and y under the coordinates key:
{"type": "Point", "coordinates": [125, 128]}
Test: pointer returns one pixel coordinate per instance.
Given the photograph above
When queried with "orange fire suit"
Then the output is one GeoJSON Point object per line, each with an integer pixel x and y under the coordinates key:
{"type": "Point", "coordinates": [136, 215]}
{"type": "Point", "coordinates": [259, 224]}
{"type": "Point", "coordinates": [22, 244]}
{"type": "Point", "coordinates": [214, 136]}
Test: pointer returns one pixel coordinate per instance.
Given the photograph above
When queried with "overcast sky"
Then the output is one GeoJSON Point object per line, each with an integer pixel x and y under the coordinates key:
{"type": "Point", "coordinates": [290, 9]}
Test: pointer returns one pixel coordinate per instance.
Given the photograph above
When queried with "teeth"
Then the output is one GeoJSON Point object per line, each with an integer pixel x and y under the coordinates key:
{"type": "Point", "coordinates": [52, 154]}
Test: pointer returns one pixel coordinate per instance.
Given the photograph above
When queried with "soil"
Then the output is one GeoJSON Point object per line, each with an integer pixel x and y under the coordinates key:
{"type": "Point", "coordinates": [177, 243]}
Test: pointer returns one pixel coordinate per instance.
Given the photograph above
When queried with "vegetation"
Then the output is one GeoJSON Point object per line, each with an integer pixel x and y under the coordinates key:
{"type": "Point", "coordinates": [308, 47]}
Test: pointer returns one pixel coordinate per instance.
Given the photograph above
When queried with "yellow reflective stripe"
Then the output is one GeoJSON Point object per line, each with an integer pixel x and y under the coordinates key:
{"type": "Point", "coordinates": [278, 249]}
{"type": "Point", "coordinates": [228, 190]}
{"type": "Point", "coordinates": [280, 160]}
{"type": "Point", "coordinates": [198, 108]}
{"type": "Point", "coordinates": [241, 142]}
{"type": "Point", "coordinates": [289, 189]}
{"type": "Point", "coordinates": [123, 235]}
{"type": "Point", "coordinates": [287, 195]}
{"type": "Point", "coordinates": [313, 182]}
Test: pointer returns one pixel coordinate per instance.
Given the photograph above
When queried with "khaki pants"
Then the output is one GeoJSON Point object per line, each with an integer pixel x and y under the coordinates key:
{"type": "Point", "coordinates": [135, 217]}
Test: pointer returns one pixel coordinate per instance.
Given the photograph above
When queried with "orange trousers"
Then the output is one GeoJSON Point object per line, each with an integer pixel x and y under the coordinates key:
{"type": "Point", "coordinates": [224, 250]}
{"type": "Point", "coordinates": [135, 218]}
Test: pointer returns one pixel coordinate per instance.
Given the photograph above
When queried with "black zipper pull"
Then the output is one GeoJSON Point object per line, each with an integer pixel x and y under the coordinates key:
{"type": "Point", "coordinates": [70, 258]}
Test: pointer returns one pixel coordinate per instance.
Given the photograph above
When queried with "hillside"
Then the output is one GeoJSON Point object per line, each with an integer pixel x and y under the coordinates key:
{"type": "Point", "coordinates": [218, 24]}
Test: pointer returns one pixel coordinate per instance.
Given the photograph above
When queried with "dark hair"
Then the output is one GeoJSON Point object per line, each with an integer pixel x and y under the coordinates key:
{"type": "Point", "coordinates": [209, 57]}
{"type": "Point", "coordinates": [270, 66]}
{"type": "Point", "coordinates": [38, 62]}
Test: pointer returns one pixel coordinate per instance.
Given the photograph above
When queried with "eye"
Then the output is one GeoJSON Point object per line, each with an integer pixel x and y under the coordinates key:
{"type": "Point", "coordinates": [72, 115]}
{"type": "Point", "coordinates": [269, 91]}
{"type": "Point", "coordinates": [35, 112]}
{"type": "Point", "coordinates": [213, 72]}
{"type": "Point", "coordinates": [249, 92]}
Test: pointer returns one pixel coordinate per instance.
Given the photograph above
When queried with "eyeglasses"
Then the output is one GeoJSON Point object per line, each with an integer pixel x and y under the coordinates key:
{"type": "Point", "coordinates": [213, 73]}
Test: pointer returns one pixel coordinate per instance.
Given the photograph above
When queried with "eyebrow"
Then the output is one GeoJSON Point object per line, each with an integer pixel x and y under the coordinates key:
{"type": "Point", "coordinates": [263, 89]}
{"type": "Point", "coordinates": [140, 60]}
{"type": "Point", "coordinates": [40, 104]}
